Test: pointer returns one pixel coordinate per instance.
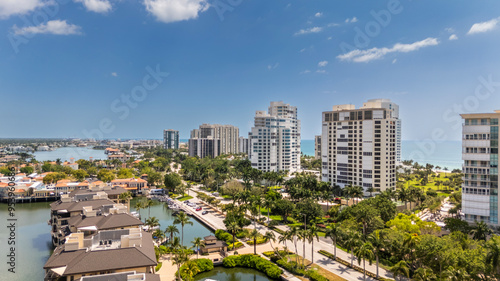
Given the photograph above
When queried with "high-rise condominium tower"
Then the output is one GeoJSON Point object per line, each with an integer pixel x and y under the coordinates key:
{"type": "Point", "coordinates": [171, 139]}
{"type": "Point", "coordinates": [223, 138]}
{"type": "Point", "coordinates": [275, 139]}
{"type": "Point", "coordinates": [480, 155]}
{"type": "Point", "coordinates": [359, 146]}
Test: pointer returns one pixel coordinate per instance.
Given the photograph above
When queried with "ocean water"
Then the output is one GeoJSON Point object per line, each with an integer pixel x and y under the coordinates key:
{"type": "Point", "coordinates": [444, 154]}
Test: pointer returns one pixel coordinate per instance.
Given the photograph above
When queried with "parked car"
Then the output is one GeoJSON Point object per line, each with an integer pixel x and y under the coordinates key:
{"type": "Point", "coordinates": [204, 212]}
{"type": "Point", "coordinates": [198, 209]}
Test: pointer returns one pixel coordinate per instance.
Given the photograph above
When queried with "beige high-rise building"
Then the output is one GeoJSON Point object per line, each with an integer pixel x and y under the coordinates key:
{"type": "Point", "coordinates": [480, 155]}
{"type": "Point", "coordinates": [359, 146]}
{"type": "Point", "coordinates": [227, 136]}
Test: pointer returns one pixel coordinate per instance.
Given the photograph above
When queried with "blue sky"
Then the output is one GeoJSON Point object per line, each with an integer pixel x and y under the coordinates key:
{"type": "Point", "coordinates": [67, 66]}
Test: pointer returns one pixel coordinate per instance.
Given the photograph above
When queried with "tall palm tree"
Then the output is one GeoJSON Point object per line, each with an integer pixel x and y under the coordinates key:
{"type": "Point", "coordinates": [268, 204]}
{"type": "Point", "coordinates": [353, 239]}
{"type": "Point", "coordinates": [180, 257]}
{"type": "Point", "coordinates": [197, 243]}
{"type": "Point", "coordinates": [171, 230]}
{"type": "Point", "coordinates": [254, 234]}
{"type": "Point", "coordinates": [302, 234]}
{"type": "Point", "coordinates": [400, 269]}
{"type": "Point", "coordinates": [138, 206]}
{"type": "Point", "coordinates": [424, 274]}
{"type": "Point", "coordinates": [269, 236]}
{"type": "Point", "coordinates": [333, 231]}
{"type": "Point", "coordinates": [292, 235]}
{"type": "Point", "coordinates": [365, 252]}
{"type": "Point", "coordinates": [174, 244]}
{"type": "Point", "coordinates": [151, 223]}
{"type": "Point", "coordinates": [182, 219]}
{"type": "Point", "coordinates": [377, 240]}
{"type": "Point", "coordinates": [493, 253]}
{"type": "Point", "coordinates": [312, 232]}
{"type": "Point", "coordinates": [233, 227]}
{"type": "Point", "coordinates": [148, 204]}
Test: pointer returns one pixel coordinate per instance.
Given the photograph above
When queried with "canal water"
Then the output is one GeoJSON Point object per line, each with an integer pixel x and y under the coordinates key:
{"type": "Point", "coordinates": [33, 241]}
{"type": "Point", "coordinates": [232, 274]}
{"type": "Point", "coordinates": [65, 153]}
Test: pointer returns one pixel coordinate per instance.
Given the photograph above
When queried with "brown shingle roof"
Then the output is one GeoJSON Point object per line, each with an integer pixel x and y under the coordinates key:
{"type": "Point", "coordinates": [105, 222]}
{"type": "Point", "coordinates": [78, 206]}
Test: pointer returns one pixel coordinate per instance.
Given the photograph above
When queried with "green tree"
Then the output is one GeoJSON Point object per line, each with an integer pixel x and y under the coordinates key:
{"type": "Point", "coordinates": [172, 181]}
{"type": "Point", "coordinates": [27, 170]}
{"type": "Point", "coordinates": [400, 269]}
{"type": "Point", "coordinates": [365, 252]}
{"type": "Point", "coordinates": [254, 234]}
{"type": "Point", "coordinates": [148, 204]}
{"type": "Point", "coordinates": [138, 206]}
{"type": "Point", "coordinates": [352, 240]}
{"type": "Point", "coordinates": [424, 274]}
{"type": "Point", "coordinates": [284, 208]}
{"type": "Point", "coordinates": [378, 243]}
{"type": "Point", "coordinates": [480, 231]}
{"type": "Point", "coordinates": [158, 235]}
{"type": "Point", "coordinates": [183, 220]}
{"type": "Point", "coordinates": [124, 174]}
{"type": "Point", "coordinates": [171, 230]}
{"type": "Point", "coordinates": [105, 175]}
{"type": "Point", "coordinates": [190, 270]}
{"type": "Point", "coordinates": [152, 222]}
{"type": "Point", "coordinates": [197, 243]}
{"type": "Point", "coordinates": [233, 227]}
{"type": "Point", "coordinates": [333, 231]}
{"type": "Point", "coordinates": [493, 254]}
{"type": "Point", "coordinates": [80, 174]}
{"type": "Point", "coordinates": [312, 233]}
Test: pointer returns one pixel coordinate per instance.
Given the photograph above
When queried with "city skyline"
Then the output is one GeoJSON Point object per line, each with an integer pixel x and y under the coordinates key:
{"type": "Point", "coordinates": [225, 66]}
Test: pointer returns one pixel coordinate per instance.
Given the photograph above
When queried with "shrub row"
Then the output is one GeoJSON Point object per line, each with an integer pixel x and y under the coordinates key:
{"type": "Point", "coordinates": [348, 264]}
{"type": "Point", "coordinates": [202, 264]}
{"type": "Point", "coordinates": [235, 246]}
{"type": "Point", "coordinates": [255, 262]}
{"type": "Point", "coordinates": [259, 241]}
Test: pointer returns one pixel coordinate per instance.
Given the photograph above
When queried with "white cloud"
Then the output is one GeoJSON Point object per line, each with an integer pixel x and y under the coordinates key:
{"type": "Point", "coordinates": [483, 26]}
{"type": "Point", "coordinates": [114, 74]}
{"type": "Point", "coordinates": [394, 61]}
{"type": "Point", "coordinates": [315, 29]}
{"type": "Point", "coordinates": [318, 15]}
{"type": "Point", "coordinates": [453, 37]}
{"type": "Point", "coordinates": [58, 27]}
{"type": "Point", "coordinates": [329, 38]}
{"type": "Point", "coordinates": [354, 19]}
{"type": "Point", "coordinates": [98, 6]}
{"type": "Point", "coordinates": [303, 50]}
{"type": "Point", "coordinates": [271, 67]}
{"type": "Point", "coordinates": [449, 29]}
{"type": "Point", "coordinates": [323, 63]}
{"type": "Point", "coordinates": [305, 71]}
{"type": "Point", "coordinates": [378, 53]}
{"type": "Point", "coordinates": [176, 10]}
{"type": "Point", "coordinates": [320, 71]}
{"type": "Point", "coordinates": [20, 7]}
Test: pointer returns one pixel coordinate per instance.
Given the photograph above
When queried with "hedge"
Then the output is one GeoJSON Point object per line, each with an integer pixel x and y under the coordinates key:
{"type": "Point", "coordinates": [234, 246]}
{"type": "Point", "coordinates": [355, 267]}
{"type": "Point", "coordinates": [259, 241]}
{"type": "Point", "coordinates": [255, 262]}
{"type": "Point", "coordinates": [202, 264]}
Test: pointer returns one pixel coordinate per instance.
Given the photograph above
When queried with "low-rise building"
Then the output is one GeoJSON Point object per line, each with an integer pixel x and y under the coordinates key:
{"type": "Point", "coordinates": [212, 245]}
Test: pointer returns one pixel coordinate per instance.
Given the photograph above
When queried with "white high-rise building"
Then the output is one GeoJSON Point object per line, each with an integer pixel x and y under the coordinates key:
{"type": "Point", "coordinates": [480, 155]}
{"type": "Point", "coordinates": [275, 139]}
{"type": "Point", "coordinates": [243, 145]}
{"type": "Point", "coordinates": [359, 146]}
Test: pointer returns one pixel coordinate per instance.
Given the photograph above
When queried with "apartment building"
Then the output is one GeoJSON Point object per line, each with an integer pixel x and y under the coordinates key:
{"type": "Point", "coordinates": [317, 147]}
{"type": "Point", "coordinates": [275, 139]}
{"type": "Point", "coordinates": [480, 168]}
{"type": "Point", "coordinates": [170, 139]}
{"type": "Point", "coordinates": [203, 147]}
{"type": "Point", "coordinates": [243, 145]}
{"type": "Point", "coordinates": [359, 146]}
{"type": "Point", "coordinates": [227, 134]}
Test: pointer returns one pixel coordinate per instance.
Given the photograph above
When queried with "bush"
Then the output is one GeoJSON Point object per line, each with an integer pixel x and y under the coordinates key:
{"type": "Point", "coordinates": [273, 223]}
{"type": "Point", "coordinates": [224, 236]}
{"type": "Point", "coordinates": [255, 262]}
{"type": "Point", "coordinates": [158, 267]}
{"type": "Point", "coordinates": [236, 245]}
{"type": "Point", "coordinates": [259, 241]}
{"type": "Point", "coordinates": [202, 264]}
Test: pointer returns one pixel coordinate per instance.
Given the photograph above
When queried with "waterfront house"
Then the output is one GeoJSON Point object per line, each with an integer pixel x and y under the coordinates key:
{"type": "Point", "coordinates": [133, 185]}
{"type": "Point", "coordinates": [107, 252]}
{"type": "Point", "coordinates": [212, 245]}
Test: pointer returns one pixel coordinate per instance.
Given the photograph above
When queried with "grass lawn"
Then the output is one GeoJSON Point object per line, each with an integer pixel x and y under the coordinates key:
{"type": "Point", "coordinates": [432, 183]}
{"type": "Point", "coordinates": [184, 198]}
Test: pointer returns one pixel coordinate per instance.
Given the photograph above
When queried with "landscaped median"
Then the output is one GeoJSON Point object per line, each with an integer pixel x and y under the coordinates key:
{"type": "Point", "coordinates": [348, 264]}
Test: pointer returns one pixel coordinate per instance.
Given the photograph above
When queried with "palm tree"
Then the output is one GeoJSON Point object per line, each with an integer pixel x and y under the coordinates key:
{"type": "Point", "coordinates": [352, 241]}
{"type": "Point", "coordinates": [254, 234]}
{"type": "Point", "coordinates": [269, 236]}
{"type": "Point", "coordinates": [377, 240]}
{"type": "Point", "coordinates": [180, 257]}
{"type": "Point", "coordinates": [125, 197]}
{"type": "Point", "coordinates": [158, 235]}
{"type": "Point", "coordinates": [174, 245]}
{"type": "Point", "coordinates": [171, 230]}
{"type": "Point", "coordinates": [148, 204]}
{"type": "Point", "coordinates": [481, 231]}
{"type": "Point", "coordinates": [312, 232]}
{"type": "Point", "coordinates": [493, 253]}
{"type": "Point", "coordinates": [138, 206]}
{"type": "Point", "coordinates": [400, 269]}
{"type": "Point", "coordinates": [182, 219]}
{"type": "Point", "coordinates": [233, 227]}
{"type": "Point", "coordinates": [268, 204]}
{"type": "Point", "coordinates": [424, 274]}
{"type": "Point", "coordinates": [190, 270]}
{"type": "Point", "coordinates": [197, 243]}
{"type": "Point", "coordinates": [292, 235]}
{"type": "Point", "coordinates": [365, 252]}
{"type": "Point", "coordinates": [333, 231]}
{"type": "Point", "coordinates": [151, 223]}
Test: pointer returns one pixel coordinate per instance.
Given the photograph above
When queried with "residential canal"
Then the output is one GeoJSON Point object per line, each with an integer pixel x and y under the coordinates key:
{"type": "Point", "coordinates": [233, 274]}
{"type": "Point", "coordinates": [33, 241]}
